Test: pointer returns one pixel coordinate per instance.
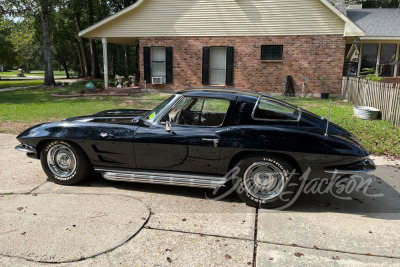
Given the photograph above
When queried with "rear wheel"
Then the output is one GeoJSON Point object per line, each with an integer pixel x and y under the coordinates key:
{"type": "Point", "coordinates": [266, 182]}
{"type": "Point", "coordinates": [64, 163]}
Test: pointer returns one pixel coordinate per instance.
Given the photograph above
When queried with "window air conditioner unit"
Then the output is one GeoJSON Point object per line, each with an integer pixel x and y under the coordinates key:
{"type": "Point", "coordinates": [157, 80]}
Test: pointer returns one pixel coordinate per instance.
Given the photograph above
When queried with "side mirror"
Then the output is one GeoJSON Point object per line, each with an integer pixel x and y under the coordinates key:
{"type": "Point", "coordinates": [168, 127]}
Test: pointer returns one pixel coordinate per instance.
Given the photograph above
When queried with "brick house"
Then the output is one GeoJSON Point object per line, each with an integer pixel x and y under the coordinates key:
{"type": "Point", "coordinates": [252, 44]}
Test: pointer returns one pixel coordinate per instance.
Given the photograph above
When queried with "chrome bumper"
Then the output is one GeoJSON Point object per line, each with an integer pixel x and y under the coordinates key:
{"type": "Point", "coordinates": [363, 166]}
{"type": "Point", "coordinates": [25, 148]}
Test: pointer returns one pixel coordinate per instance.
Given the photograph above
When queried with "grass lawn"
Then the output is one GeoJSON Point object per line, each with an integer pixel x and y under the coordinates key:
{"type": "Point", "coordinates": [23, 108]}
{"type": "Point", "coordinates": [34, 73]}
{"type": "Point", "coordinates": [10, 84]}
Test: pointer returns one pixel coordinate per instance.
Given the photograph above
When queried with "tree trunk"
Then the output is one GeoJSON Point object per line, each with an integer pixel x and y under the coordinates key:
{"type": "Point", "coordinates": [104, 8]}
{"type": "Point", "coordinates": [85, 63]}
{"type": "Point", "coordinates": [78, 48]}
{"type": "Point", "coordinates": [64, 64]}
{"type": "Point", "coordinates": [48, 60]}
{"type": "Point", "coordinates": [95, 59]}
{"type": "Point", "coordinates": [61, 59]}
{"type": "Point", "coordinates": [93, 48]}
{"type": "Point", "coordinates": [127, 60]}
{"type": "Point", "coordinates": [119, 56]}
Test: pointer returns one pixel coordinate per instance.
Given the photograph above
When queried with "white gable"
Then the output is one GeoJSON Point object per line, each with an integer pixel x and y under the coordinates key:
{"type": "Point", "coordinates": [152, 18]}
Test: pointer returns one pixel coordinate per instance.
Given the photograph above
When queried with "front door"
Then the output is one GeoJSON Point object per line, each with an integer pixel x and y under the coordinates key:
{"type": "Point", "coordinates": [194, 142]}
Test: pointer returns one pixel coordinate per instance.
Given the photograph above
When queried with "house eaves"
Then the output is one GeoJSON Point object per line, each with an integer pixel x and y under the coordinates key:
{"type": "Point", "coordinates": [111, 18]}
{"type": "Point", "coordinates": [351, 28]}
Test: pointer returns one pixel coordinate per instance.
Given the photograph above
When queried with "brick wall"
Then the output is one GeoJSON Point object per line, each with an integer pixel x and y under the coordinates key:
{"type": "Point", "coordinates": [305, 58]}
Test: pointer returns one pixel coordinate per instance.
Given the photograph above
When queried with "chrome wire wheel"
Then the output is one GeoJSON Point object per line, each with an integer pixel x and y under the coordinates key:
{"type": "Point", "coordinates": [264, 180]}
{"type": "Point", "coordinates": [61, 160]}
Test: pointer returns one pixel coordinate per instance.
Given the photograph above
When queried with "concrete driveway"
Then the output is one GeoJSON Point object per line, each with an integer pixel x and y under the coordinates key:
{"type": "Point", "coordinates": [102, 223]}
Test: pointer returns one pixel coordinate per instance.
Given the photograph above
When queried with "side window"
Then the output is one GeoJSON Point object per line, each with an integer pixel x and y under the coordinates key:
{"type": "Point", "coordinates": [199, 111]}
{"type": "Point", "coordinates": [271, 110]}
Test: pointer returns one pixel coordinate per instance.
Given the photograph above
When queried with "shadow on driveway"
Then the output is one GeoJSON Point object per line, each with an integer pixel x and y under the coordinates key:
{"type": "Point", "coordinates": [362, 202]}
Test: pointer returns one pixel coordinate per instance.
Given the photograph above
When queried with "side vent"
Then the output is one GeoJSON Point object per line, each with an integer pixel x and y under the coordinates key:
{"type": "Point", "coordinates": [157, 80]}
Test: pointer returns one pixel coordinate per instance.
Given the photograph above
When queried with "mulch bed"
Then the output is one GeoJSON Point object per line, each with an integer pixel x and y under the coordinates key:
{"type": "Point", "coordinates": [127, 91]}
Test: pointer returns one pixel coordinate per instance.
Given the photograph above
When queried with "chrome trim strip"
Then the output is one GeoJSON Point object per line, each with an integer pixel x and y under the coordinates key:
{"type": "Point", "coordinates": [347, 171]}
{"type": "Point", "coordinates": [369, 166]}
{"type": "Point", "coordinates": [202, 181]}
{"type": "Point", "coordinates": [25, 148]}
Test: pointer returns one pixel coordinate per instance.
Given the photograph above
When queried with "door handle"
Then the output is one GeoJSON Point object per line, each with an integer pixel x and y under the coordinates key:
{"type": "Point", "coordinates": [215, 141]}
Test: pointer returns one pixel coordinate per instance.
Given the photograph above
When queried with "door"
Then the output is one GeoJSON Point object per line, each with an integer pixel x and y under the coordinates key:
{"type": "Point", "coordinates": [194, 142]}
{"type": "Point", "coordinates": [218, 66]}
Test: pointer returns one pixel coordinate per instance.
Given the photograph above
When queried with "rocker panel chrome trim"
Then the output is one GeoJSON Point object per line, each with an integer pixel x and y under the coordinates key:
{"type": "Point", "coordinates": [201, 181]}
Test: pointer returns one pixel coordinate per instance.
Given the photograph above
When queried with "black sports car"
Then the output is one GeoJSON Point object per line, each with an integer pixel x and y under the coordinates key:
{"type": "Point", "coordinates": [195, 138]}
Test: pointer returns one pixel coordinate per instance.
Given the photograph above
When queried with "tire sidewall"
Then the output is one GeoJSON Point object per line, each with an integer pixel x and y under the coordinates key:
{"type": "Point", "coordinates": [79, 172]}
{"type": "Point", "coordinates": [286, 196]}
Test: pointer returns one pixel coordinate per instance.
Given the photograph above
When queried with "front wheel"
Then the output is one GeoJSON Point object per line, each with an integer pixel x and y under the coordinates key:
{"type": "Point", "coordinates": [64, 163]}
{"type": "Point", "coordinates": [266, 182]}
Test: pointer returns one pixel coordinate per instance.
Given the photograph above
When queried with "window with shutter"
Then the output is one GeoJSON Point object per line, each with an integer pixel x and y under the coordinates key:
{"type": "Point", "coordinates": [158, 63]}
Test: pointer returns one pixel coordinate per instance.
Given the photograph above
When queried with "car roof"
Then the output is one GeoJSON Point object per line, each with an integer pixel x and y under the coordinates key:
{"type": "Point", "coordinates": [218, 91]}
{"type": "Point", "coordinates": [228, 93]}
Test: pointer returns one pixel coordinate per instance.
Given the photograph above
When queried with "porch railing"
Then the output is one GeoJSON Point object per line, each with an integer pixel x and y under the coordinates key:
{"type": "Point", "coordinates": [380, 95]}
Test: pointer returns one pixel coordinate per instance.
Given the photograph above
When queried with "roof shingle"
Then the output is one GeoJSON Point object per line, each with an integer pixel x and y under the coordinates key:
{"type": "Point", "coordinates": [382, 22]}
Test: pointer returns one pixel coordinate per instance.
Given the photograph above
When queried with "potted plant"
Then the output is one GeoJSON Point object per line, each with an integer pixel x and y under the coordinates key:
{"type": "Point", "coordinates": [324, 87]}
{"type": "Point", "coordinates": [120, 79]}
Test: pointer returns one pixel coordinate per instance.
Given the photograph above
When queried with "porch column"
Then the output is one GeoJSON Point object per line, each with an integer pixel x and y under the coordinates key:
{"type": "Point", "coordinates": [105, 60]}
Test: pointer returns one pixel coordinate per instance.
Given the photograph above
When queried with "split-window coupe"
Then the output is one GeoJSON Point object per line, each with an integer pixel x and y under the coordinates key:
{"type": "Point", "coordinates": [195, 138]}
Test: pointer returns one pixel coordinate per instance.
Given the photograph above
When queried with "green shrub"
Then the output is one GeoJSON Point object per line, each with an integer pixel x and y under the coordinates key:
{"type": "Point", "coordinates": [98, 84]}
{"type": "Point", "coordinates": [370, 74]}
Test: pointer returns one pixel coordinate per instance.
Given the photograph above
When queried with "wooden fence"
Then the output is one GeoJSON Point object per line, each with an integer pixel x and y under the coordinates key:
{"type": "Point", "coordinates": [380, 95]}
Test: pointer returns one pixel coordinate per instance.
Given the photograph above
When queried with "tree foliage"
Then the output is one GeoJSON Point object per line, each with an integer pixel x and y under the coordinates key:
{"type": "Point", "coordinates": [381, 4]}
{"type": "Point", "coordinates": [22, 41]}
{"type": "Point", "coordinates": [7, 49]}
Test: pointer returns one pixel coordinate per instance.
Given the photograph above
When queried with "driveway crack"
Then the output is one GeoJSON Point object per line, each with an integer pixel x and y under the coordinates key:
{"type": "Point", "coordinates": [255, 239]}
{"type": "Point", "coordinates": [332, 250]}
{"type": "Point", "coordinates": [194, 233]}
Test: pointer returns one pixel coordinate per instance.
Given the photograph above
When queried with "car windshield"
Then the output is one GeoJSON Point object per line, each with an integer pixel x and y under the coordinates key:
{"type": "Point", "coordinates": [152, 115]}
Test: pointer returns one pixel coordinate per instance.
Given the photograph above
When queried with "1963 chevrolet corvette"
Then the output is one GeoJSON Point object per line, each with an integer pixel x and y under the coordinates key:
{"type": "Point", "coordinates": [195, 138]}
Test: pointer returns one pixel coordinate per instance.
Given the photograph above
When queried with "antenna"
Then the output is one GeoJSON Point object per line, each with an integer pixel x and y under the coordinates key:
{"type": "Point", "coordinates": [329, 116]}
